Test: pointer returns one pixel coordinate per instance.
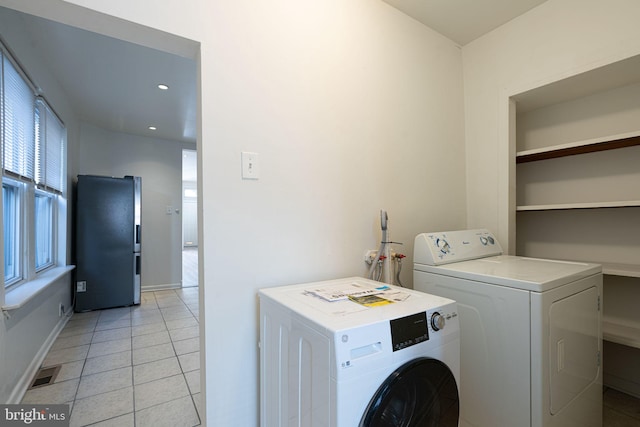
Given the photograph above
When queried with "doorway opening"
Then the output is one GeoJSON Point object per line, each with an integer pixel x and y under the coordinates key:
{"type": "Point", "coordinates": [189, 219]}
{"type": "Point", "coordinates": [176, 309]}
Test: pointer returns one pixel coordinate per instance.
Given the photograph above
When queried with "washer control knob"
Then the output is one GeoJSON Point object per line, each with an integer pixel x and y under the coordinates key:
{"type": "Point", "coordinates": [484, 240]}
{"type": "Point", "coordinates": [437, 321]}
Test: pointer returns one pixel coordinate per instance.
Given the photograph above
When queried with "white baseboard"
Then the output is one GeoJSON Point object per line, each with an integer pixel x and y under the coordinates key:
{"type": "Point", "coordinates": [25, 380]}
{"type": "Point", "coordinates": [167, 286]}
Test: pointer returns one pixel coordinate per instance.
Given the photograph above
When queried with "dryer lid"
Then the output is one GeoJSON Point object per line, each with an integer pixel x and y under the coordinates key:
{"type": "Point", "coordinates": [532, 274]}
{"type": "Point", "coordinates": [420, 393]}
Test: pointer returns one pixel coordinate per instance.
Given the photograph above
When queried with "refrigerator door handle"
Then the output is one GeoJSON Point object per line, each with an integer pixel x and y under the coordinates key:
{"type": "Point", "coordinates": [137, 268]}
{"type": "Point", "coordinates": [138, 234]}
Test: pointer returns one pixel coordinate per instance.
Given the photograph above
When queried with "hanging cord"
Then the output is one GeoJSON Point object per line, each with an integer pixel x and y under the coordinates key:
{"type": "Point", "coordinates": [398, 259]}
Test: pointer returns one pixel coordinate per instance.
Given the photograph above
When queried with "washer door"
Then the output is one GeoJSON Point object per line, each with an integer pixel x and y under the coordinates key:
{"type": "Point", "coordinates": [420, 393]}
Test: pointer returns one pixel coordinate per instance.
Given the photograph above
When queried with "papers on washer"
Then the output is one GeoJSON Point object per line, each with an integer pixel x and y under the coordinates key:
{"type": "Point", "coordinates": [361, 293]}
{"type": "Point", "coordinates": [343, 291]}
{"type": "Point", "coordinates": [370, 300]}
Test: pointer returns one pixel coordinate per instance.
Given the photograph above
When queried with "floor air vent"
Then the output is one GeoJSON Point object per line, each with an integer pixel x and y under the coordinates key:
{"type": "Point", "coordinates": [45, 376]}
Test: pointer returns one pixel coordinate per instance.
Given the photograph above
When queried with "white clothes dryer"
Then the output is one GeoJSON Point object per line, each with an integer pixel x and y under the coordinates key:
{"type": "Point", "coordinates": [330, 360]}
{"type": "Point", "coordinates": [530, 337]}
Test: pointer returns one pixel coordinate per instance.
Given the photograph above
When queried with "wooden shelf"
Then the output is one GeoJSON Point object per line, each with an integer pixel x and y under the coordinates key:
{"type": "Point", "coordinates": [570, 206]}
{"type": "Point", "coordinates": [624, 333]}
{"type": "Point", "coordinates": [579, 147]}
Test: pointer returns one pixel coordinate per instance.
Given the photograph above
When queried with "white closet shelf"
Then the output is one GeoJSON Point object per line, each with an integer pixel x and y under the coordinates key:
{"type": "Point", "coordinates": [621, 332]}
{"type": "Point", "coordinates": [579, 147]}
{"type": "Point", "coordinates": [627, 270]}
{"type": "Point", "coordinates": [585, 205]}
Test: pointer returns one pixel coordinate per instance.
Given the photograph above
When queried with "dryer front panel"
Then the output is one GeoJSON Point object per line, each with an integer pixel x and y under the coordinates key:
{"type": "Point", "coordinates": [420, 393]}
{"type": "Point", "coordinates": [574, 346]}
{"type": "Point", "coordinates": [566, 372]}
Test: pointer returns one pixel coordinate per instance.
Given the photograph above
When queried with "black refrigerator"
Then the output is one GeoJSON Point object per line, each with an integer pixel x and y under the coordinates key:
{"type": "Point", "coordinates": [108, 242]}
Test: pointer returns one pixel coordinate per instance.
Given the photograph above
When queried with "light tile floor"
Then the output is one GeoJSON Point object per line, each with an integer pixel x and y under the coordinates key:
{"type": "Point", "coordinates": [134, 366]}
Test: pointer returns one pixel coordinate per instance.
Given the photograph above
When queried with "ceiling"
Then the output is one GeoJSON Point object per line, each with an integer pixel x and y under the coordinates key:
{"type": "Point", "coordinates": [114, 84]}
{"type": "Point", "coordinates": [464, 20]}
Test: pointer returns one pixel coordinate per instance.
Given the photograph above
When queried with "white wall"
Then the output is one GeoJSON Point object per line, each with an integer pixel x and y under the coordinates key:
{"type": "Point", "coordinates": [558, 39]}
{"type": "Point", "coordinates": [159, 163]}
{"type": "Point", "coordinates": [24, 338]}
{"type": "Point", "coordinates": [353, 108]}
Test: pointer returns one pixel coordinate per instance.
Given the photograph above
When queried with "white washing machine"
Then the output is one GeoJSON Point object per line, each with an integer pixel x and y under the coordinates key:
{"type": "Point", "coordinates": [385, 360]}
{"type": "Point", "coordinates": [530, 331]}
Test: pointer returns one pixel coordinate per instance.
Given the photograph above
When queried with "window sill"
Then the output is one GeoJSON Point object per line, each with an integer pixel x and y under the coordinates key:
{"type": "Point", "coordinates": [18, 297]}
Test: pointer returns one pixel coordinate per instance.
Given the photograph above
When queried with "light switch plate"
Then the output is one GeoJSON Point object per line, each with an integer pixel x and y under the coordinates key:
{"type": "Point", "coordinates": [250, 165]}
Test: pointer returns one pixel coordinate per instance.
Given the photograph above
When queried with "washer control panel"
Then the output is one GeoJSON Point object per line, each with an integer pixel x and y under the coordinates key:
{"type": "Point", "coordinates": [414, 329]}
{"type": "Point", "coordinates": [453, 246]}
{"type": "Point", "coordinates": [409, 330]}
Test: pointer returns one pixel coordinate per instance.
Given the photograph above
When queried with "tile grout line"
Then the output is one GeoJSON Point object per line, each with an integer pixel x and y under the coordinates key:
{"type": "Point", "coordinates": [84, 363]}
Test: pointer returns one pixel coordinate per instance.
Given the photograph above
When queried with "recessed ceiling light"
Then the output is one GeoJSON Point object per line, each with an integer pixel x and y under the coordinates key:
{"type": "Point", "coordinates": [153, 128]}
{"type": "Point", "coordinates": [163, 86]}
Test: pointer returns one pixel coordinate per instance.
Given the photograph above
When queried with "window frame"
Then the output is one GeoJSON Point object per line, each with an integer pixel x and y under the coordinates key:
{"type": "Point", "coordinates": [18, 228]}
{"type": "Point", "coordinates": [51, 228]}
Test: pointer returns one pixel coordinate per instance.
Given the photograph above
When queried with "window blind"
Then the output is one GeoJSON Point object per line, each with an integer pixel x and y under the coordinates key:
{"type": "Point", "coordinates": [18, 123]}
{"type": "Point", "coordinates": [50, 137]}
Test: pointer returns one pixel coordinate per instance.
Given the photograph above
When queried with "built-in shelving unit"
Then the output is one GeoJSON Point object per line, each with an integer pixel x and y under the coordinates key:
{"type": "Point", "coordinates": [577, 181]}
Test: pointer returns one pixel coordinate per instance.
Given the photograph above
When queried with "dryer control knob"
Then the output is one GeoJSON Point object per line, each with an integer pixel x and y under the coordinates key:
{"type": "Point", "coordinates": [437, 321]}
{"type": "Point", "coordinates": [443, 245]}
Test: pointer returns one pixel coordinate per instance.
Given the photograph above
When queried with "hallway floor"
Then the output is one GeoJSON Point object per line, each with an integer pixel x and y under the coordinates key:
{"type": "Point", "coordinates": [133, 366]}
{"type": "Point", "coordinates": [189, 266]}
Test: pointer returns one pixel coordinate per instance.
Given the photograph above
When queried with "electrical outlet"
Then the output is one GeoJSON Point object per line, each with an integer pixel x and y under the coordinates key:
{"type": "Point", "coordinates": [369, 256]}
{"type": "Point", "coordinates": [81, 286]}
